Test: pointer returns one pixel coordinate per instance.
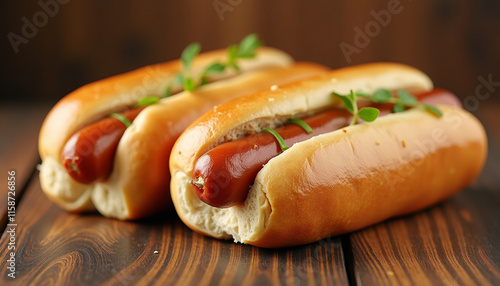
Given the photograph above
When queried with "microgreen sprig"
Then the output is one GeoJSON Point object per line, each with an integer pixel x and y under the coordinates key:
{"type": "Point", "coordinates": [350, 101]}
{"type": "Point", "coordinates": [245, 50]}
{"type": "Point", "coordinates": [187, 56]}
{"type": "Point", "coordinates": [122, 118]}
{"type": "Point", "coordinates": [403, 100]}
{"type": "Point", "coordinates": [147, 101]}
{"type": "Point", "coordinates": [278, 137]}
{"type": "Point", "coordinates": [301, 123]}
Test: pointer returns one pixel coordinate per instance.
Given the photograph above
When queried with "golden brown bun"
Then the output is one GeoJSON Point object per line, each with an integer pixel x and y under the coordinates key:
{"type": "Point", "coordinates": [336, 182]}
{"type": "Point", "coordinates": [138, 185]}
{"type": "Point", "coordinates": [96, 100]}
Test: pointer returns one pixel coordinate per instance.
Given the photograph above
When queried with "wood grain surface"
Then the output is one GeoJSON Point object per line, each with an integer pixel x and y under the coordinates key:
{"type": "Point", "coordinates": [19, 127]}
{"type": "Point", "coordinates": [452, 243]}
{"type": "Point", "coordinates": [445, 245]}
{"type": "Point", "coordinates": [55, 247]}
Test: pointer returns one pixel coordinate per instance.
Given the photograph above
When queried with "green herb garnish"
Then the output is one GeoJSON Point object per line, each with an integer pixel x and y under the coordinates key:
{"type": "Point", "coordinates": [278, 137]}
{"type": "Point", "coordinates": [401, 102]}
{"type": "Point", "coordinates": [211, 69]}
{"type": "Point", "coordinates": [302, 124]}
{"type": "Point", "coordinates": [245, 50]}
{"type": "Point", "coordinates": [368, 114]}
{"type": "Point", "coordinates": [380, 96]}
{"type": "Point", "coordinates": [406, 99]}
{"type": "Point", "coordinates": [147, 101]}
{"type": "Point", "coordinates": [189, 84]}
{"type": "Point", "coordinates": [248, 45]}
{"type": "Point", "coordinates": [187, 57]}
{"type": "Point", "coordinates": [432, 109]}
{"type": "Point", "coordinates": [122, 118]}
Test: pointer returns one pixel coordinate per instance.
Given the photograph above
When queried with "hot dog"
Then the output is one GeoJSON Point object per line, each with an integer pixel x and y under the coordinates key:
{"type": "Point", "coordinates": [126, 180]}
{"type": "Point", "coordinates": [330, 183]}
{"type": "Point", "coordinates": [240, 160]}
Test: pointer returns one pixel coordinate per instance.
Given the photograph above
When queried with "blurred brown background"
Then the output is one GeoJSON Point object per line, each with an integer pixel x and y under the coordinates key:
{"type": "Point", "coordinates": [75, 42]}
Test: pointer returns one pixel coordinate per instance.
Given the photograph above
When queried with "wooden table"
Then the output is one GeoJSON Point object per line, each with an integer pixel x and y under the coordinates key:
{"type": "Point", "coordinates": [456, 242]}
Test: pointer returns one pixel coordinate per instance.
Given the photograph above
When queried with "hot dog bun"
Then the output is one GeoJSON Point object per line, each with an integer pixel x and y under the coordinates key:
{"type": "Point", "coordinates": [96, 100]}
{"type": "Point", "coordinates": [137, 186]}
{"type": "Point", "coordinates": [336, 182]}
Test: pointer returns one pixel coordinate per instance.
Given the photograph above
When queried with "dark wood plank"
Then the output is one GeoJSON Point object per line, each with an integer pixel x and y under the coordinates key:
{"type": "Point", "coordinates": [70, 49]}
{"type": "Point", "coordinates": [453, 243]}
{"type": "Point", "coordinates": [56, 247]}
{"type": "Point", "coordinates": [19, 127]}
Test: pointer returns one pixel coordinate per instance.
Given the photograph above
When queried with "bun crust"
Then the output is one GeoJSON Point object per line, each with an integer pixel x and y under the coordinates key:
{"type": "Point", "coordinates": [138, 184]}
{"type": "Point", "coordinates": [336, 182]}
{"type": "Point", "coordinates": [96, 100]}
